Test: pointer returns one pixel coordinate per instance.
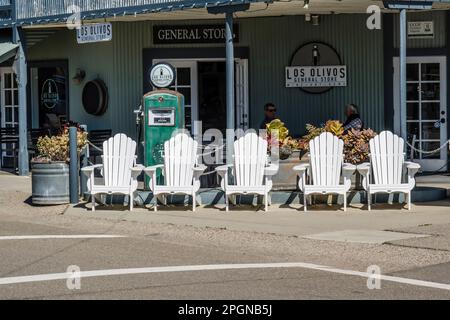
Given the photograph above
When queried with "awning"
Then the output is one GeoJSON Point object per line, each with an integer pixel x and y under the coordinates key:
{"type": "Point", "coordinates": [7, 51]}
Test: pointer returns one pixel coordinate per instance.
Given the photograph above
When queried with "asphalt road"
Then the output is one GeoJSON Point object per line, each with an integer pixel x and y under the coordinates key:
{"type": "Point", "coordinates": [156, 248]}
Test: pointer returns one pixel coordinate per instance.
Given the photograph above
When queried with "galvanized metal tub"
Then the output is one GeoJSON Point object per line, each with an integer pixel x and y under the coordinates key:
{"type": "Point", "coordinates": [50, 183]}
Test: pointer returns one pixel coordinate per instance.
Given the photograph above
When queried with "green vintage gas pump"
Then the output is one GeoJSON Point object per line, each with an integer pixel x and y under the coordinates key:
{"type": "Point", "coordinates": [163, 114]}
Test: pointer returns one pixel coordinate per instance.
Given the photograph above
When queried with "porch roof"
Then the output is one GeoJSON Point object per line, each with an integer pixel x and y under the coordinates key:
{"type": "Point", "coordinates": [55, 12]}
{"type": "Point", "coordinates": [7, 51]}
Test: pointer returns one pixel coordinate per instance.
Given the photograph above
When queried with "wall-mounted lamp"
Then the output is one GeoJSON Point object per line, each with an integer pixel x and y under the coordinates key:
{"type": "Point", "coordinates": [307, 17]}
{"type": "Point", "coordinates": [79, 76]}
{"type": "Point", "coordinates": [305, 4]}
{"type": "Point", "coordinates": [315, 20]}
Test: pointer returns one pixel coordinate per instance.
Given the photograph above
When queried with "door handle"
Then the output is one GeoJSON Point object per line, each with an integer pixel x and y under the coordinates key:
{"type": "Point", "coordinates": [442, 120]}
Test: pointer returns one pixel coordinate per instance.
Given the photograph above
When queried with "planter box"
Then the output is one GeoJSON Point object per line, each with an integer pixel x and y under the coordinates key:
{"type": "Point", "coordinates": [286, 178]}
{"type": "Point", "coordinates": [50, 183]}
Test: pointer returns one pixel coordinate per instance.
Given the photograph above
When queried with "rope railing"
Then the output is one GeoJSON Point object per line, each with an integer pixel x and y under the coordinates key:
{"type": "Point", "coordinates": [428, 151]}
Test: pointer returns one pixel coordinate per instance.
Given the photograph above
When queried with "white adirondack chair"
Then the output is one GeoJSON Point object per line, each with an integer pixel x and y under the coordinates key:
{"type": "Point", "coordinates": [322, 175]}
{"type": "Point", "coordinates": [387, 168]}
{"type": "Point", "coordinates": [180, 169]}
{"type": "Point", "coordinates": [119, 169]}
{"type": "Point", "coordinates": [252, 174]}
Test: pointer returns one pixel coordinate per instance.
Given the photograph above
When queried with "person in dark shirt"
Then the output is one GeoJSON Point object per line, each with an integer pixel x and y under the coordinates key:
{"type": "Point", "coordinates": [269, 114]}
{"type": "Point", "coordinates": [353, 118]}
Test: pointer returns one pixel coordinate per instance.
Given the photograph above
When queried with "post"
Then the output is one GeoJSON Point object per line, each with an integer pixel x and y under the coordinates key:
{"type": "Point", "coordinates": [73, 169]}
{"type": "Point", "coordinates": [83, 163]}
{"type": "Point", "coordinates": [83, 178]}
{"type": "Point", "coordinates": [403, 45]}
{"type": "Point", "coordinates": [230, 83]}
{"type": "Point", "coordinates": [22, 78]}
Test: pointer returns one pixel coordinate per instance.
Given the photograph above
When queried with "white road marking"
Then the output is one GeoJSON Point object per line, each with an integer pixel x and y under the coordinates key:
{"type": "Point", "coordinates": [128, 271]}
{"type": "Point", "coordinates": [60, 236]}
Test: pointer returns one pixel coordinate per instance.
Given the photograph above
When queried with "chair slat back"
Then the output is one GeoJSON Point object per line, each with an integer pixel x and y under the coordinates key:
{"type": "Point", "coordinates": [119, 156]}
{"type": "Point", "coordinates": [180, 157]}
{"type": "Point", "coordinates": [250, 158]}
{"type": "Point", "coordinates": [387, 158]}
{"type": "Point", "coordinates": [326, 157]}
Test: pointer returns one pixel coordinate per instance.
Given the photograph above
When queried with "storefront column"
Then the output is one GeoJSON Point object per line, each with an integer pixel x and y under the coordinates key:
{"type": "Point", "coordinates": [403, 45]}
{"type": "Point", "coordinates": [22, 78]}
{"type": "Point", "coordinates": [229, 10]}
{"type": "Point", "coordinates": [230, 83]}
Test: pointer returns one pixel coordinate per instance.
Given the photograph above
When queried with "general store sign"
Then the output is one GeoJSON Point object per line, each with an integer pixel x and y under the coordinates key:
{"type": "Point", "coordinates": [316, 76]}
{"type": "Point", "coordinates": [171, 34]}
{"type": "Point", "coordinates": [420, 29]}
{"type": "Point", "coordinates": [98, 32]}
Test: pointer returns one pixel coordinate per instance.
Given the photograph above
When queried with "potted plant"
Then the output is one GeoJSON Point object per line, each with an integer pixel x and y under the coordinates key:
{"type": "Point", "coordinates": [289, 155]}
{"type": "Point", "coordinates": [50, 169]}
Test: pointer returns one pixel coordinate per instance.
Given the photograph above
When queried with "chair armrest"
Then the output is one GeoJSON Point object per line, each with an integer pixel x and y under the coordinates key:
{"type": "Point", "coordinates": [301, 168]}
{"type": "Point", "coordinates": [301, 171]}
{"type": "Point", "coordinates": [348, 169]}
{"type": "Point", "coordinates": [271, 170]}
{"type": "Point", "coordinates": [364, 171]}
{"type": "Point", "coordinates": [199, 169]}
{"type": "Point", "coordinates": [412, 169]}
{"type": "Point", "coordinates": [152, 169]}
{"type": "Point", "coordinates": [363, 168]}
{"type": "Point", "coordinates": [89, 173]}
{"type": "Point", "coordinates": [223, 170]}
{"type": "Point", "coordinates": [136, 170]}
{"type": "Point", "coordinates": [90, 169]}
{"type": "Point", "coordinates": [411, 166]}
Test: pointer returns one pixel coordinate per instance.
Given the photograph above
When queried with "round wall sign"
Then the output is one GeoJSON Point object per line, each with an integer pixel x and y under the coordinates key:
{"type": "Point", "coordinates": [50, 94]}
{"type": "Point", "coordinates": [162, 75]}
{"type": "Point", "coordinates": [320, 55]}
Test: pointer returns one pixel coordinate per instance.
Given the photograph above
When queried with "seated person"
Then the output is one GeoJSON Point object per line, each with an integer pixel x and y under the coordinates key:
{"type": "Point", "coordinates": [353, 118]}
{"type": "Point", "coordinates": [269, 114]}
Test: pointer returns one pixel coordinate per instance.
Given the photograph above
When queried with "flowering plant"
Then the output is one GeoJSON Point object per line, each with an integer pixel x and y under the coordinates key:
{"type": "Point", "coordinates": [356, 143]}
{"type": "Point", "coordinates": [278, 133]}
{"type": "Point", "coordinates": [56, 148]}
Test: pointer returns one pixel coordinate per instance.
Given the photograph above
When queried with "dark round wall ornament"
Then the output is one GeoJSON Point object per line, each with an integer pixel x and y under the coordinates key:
{"type": "Point", "coordinates": [95, 97]}
{"type": "Point", "coordinates": [319, 54]}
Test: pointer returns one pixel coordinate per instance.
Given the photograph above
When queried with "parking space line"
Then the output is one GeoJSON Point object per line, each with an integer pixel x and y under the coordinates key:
{"type": "Point", "coordinates": [60, 236]}
{"type": "Point", "coordinates": [191, 268]}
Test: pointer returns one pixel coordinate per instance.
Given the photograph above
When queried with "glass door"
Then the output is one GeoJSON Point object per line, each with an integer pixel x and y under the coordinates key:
{"type": "Point", "coordinates": [426, 118]}
{"type": "Point", "coordinates": [9, 109]}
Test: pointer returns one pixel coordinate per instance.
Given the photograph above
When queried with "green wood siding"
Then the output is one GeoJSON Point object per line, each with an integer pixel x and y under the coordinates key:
{"type": "Point", "coordinates": [271, 41]}
{"type": "Point", "coordinates": [440, 32]}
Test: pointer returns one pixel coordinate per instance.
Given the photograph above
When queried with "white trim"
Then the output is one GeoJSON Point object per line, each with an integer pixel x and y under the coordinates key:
{"type": "Point", "coordinates": [129, 271]}
{"type": "Point", "coordinates": [71, 236]}
{"type": "Point", "coordinates": [427, 164]}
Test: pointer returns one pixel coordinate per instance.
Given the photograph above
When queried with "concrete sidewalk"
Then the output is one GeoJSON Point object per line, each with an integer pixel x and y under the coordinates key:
{"type": "Point", "coordinates": [290, 221]}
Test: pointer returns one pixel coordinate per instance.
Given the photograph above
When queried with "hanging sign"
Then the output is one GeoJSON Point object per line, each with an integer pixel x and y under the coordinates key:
{"type": "Point", "coordinates": [98, 32]}
{"type": "Point", "coordinates": [162, 75]}
{"type": "Point", "coordinates": [316, 68]}
{"type": "Point", "coordinates": [420, 29]}
{"type": "Point", "coordinates": [192, 34]}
